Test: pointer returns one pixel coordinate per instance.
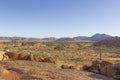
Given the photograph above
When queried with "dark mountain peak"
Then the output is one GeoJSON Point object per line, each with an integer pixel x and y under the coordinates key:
{"type": "Point", "coordinates": [101, 35]}
{"type": "Point", "coordinates": [95, 37]}
{"type": "Point", "coordinates": [98, 36]}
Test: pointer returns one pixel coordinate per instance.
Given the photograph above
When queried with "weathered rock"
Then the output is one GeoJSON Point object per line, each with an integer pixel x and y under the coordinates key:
{"type": "Point", "coordinates": [104, 68]}
{"type": "Point", "coordinates": [12, 55]}
{"type": "Point", "coordinates": [51, 60]}
{"type": "Point", "coordinates": [3, 56]}
{"type": "Point", "coordinates": [104, 63]}
{"type": "Point", "coordinates": [117, 67]}
{"type": "Point", "coordinates": [30, 57]}
{"type": "Point", "coordinates": [38, 59]}
{"type": "Point", "coordinates": [65, 67]}
{"type": "Point", "coordinates": [117, 70]}
{"type": "Point", "coordinates": [86, 67]}
{"type": "Point", "coordinates": [95, 71]}
{"type": "Point", "coordinates": [95, 65]}
{"type": "Point", "coordinates": [108, 70]}
{"type": "Point", "coordinates": [23, 56]}
{"type": "Point", "coordinates": [117, 77]}
{"type": "Point", "coordinates": [8, 74]}
{"type": "Point", "coordinates": [73, 67]}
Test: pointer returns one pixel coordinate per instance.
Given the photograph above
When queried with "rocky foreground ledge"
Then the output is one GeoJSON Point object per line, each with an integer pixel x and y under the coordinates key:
{"type": "Point", "coordinates": [31, 70]}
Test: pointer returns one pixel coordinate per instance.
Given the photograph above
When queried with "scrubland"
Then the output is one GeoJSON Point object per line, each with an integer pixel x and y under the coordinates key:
{"type": "Point", "coordinates": [77, 54]}
{"type": "Point", "coordinates": [82, 52]}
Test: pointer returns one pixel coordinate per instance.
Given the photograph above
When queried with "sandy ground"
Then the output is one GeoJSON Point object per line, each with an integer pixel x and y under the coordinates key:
{"type": "Point", "coordinates": [29, 70]}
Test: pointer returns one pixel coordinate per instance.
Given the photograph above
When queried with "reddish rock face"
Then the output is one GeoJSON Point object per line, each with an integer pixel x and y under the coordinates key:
{"type": "Point", "coordinates": [104, 63]}
{"type": "Point", "coordinates": [22, 56]}
{"type": "Point", "coordinates": [12, 55]}
{"type": "Point", "coordinates": [30, 57]}
{"type": "Point", "coordinates": [51, 60]}
{"type": "Point", "coordinates": [108, 71]}
{"type": "Point", "coordinates": [3, 56]}
{"type": "Point", "coordinates": [105, 68]}
{"type": "Point", "coordinates": [8, 74]}
{"type": "Point", "coordinates": [95, 65]}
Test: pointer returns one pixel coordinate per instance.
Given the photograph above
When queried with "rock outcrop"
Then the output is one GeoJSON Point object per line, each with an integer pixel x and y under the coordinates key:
{"type": "Point", "coordinates": [104, 68]}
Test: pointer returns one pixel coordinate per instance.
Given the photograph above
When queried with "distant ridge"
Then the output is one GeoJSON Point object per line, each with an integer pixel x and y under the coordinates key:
{"type": "Point", "coordinates": [49, 38]}
{"type": "Point", "coordinates": [95, 37]}
{"type": "Point", "coordinates": [66, 39]}
{"type": "Point", "coordinates": [18, 38]}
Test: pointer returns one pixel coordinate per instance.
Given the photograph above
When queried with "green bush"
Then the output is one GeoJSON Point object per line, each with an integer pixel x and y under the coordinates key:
{"type": "Point", "coordinates": [59, 47]}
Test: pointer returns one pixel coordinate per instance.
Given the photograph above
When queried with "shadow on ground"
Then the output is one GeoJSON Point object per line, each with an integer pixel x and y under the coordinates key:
{"type": "Point", "coordinates": [101, 77]}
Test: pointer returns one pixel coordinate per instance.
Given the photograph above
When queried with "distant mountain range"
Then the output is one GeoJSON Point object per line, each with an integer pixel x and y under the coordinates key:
{"type": "Point", "coordinates": [95, 37]}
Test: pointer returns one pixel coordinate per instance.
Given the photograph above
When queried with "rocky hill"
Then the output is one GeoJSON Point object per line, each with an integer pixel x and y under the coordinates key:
{"type": "Point", "coordinates": [112, 42]}
{"type": "Point", "coordinates": [95, 37]}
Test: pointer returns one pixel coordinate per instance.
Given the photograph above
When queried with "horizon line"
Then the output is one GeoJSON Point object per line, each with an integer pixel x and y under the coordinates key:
{"type": "Point", "coordinates": [58, 37]}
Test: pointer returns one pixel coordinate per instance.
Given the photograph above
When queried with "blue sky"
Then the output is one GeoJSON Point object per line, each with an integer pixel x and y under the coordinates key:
{"type": "Point", "coordinates": [59, 18]}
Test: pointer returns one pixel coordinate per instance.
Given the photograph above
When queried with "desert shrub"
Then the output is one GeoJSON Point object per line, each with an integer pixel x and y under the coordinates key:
{"type": "Point", "coordinates": [28, 43]}
{"type": "Point", "coordinates": [50, 44]}
{"type": "Point", "coordinates": [41, 55]}
{"type": "Point", "coordinates": [117, 52]}
{"type": "Point", "coordinates": [24, 44]}
{"type": "Point", "coordinates": [60, 46]}
{"type": "Point", "coordinates": [76, 59]}
{"type": "Point", "coordinates": [80, 46]}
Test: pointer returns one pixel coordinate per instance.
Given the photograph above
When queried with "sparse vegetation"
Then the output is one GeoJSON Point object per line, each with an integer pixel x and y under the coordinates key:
{"type": "Point", "coordinates": [66, 51]}
{"type": "Point", "coordinates": [72, 54]}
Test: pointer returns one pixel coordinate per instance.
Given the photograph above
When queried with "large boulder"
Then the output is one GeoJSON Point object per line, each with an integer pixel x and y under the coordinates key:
{"type": "Point", "coordinates": [8, 74]}
{"type": "Point", "coordinates": [12, 55]}
{"type": "Point", "coordinates": [30, 57]}
{"type": "Point", "coordinates": [23, 56]}
{"type": "Point", "coordinates": [108, 70]}
{"type": "Point", "coordinates": [51, 60]}
{"type": "Point", "coordinates": [3, 56]}
{"type": "Point", "coordinates": [95, 65]}
{"type": "Point", "coordinates": [38, 59]}
{"type": "Point", "coordinates": [117, 69]}
{"type": "Point", "coordinates": [104, 68]}
{"type": "Point", "coordinates": [104, 63]}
